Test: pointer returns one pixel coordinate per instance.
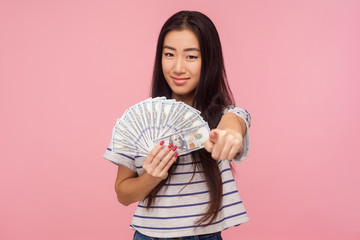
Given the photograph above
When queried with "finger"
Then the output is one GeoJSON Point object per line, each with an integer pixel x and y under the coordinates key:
{"type": "Point", "coordinates": [226, 150]}
{"type": "Point", "coordinates": [168, 165]}
{"type": "Point", "coordinates": [153, 153]}
{"type": "Point", "coordinates": [213, 135]}
{"type": "Point", "coordinates": [166, 159]}
{"type": "Point", "coordinates": [208, 145]}
{"type": "Point", "coordinates": [237, 147]}
{"type": "Point", "coordinates": [218, 146]}
{"type": "Point", "coordinates": [233, 151]}
{"type": "Point", "coordinates": [160, 155]}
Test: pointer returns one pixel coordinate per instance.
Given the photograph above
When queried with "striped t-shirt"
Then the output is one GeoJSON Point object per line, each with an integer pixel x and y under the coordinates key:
{"type": "Point", "coordinates": [179, 204]}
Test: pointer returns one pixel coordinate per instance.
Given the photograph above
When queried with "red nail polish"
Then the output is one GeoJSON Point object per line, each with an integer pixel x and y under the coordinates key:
{"type": "Point", "coordinates": [176, 154]}
{"type": "Point", "coordinates": [174, 149]}
{"type": "Point", "coordinates": [215, 133]}
{"type": "Point", "coordinates": [161, 143]}
{"type": "Point", "coordinates": [170, 145]}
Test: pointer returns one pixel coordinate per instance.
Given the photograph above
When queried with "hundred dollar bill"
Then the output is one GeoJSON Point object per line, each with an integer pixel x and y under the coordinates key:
{"type": "Point", "coordinates": [156, 117]}
{"type": "Point", "coordinates": [131, 122]}
{"type": "Point", "coordinates": [149, 117]}
{"type": "Point", "coordinates": [167, 108]}
{"type": "Point", "coordinates": [178, 113]}
{"type": "Point", "coordinates": [122, 148]}
{"type": "Point", "coordinates": [187, 140]}
{"type": "Point", "coordinates": [139, 116]}
{"type": "Point", "coordinates": [192, 121]}
{"type": "Point", "coordinates": [189, 118]}
{"type": "Point", "coordinates": [122, 136]}
{"type": "Point", "coordinates": [145, 118]}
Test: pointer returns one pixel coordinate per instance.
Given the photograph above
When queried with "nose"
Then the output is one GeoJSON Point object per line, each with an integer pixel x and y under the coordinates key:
{"type": "Point", "coordinates": [179, 67]}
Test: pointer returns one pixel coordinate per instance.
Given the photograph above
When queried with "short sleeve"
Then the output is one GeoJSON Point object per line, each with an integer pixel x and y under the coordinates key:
{"type": "Point", "coordinates": [120, 158]}
{"type": "Point", "coordinates": [246, 140]}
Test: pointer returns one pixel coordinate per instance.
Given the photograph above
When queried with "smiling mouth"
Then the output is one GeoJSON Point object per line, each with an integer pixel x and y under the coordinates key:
{"type": "Point", "coordinates": [179, 81]}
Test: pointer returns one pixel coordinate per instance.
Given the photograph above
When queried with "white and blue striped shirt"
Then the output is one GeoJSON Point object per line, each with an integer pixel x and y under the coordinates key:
{"type": "Point", "coordinates": [179, 204]}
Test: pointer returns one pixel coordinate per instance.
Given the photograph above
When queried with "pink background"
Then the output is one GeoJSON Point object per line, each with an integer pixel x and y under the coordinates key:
{"type": "Point", "coordinates": [69, 69]}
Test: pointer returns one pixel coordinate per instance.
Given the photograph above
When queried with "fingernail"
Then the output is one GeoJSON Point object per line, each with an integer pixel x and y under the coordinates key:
{"type": "Point", "coordinates": [174, 149]}
{"type": "Point", "coordinates": [161, 143]}
{"type": "Point", "coordinates": [176, 154]}
{"type": "Point", "coordinates": [215, 133]}
{"type": "Point", "coordinates": [170, 145]}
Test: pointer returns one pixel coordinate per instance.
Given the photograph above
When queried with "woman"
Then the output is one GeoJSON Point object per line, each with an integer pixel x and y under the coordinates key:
{"type": "Point", "coordinates": [194, 196]}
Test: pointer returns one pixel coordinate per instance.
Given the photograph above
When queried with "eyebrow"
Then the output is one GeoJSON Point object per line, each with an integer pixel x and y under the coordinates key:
{"type": "Point", "coordinates": [185, 50]}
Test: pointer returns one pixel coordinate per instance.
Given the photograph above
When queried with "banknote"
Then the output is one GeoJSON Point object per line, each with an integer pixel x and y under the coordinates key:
{"type": "Point", "coordinates": [121, 148]}
{"type": "Point", "coordinates": [156, 119]}
{"type": "Point", "coordinates": [120, 136]}
{"type": "Point", "coordinates": [166, 115]}
{"type": "Point", "coordinates": [187, 140]}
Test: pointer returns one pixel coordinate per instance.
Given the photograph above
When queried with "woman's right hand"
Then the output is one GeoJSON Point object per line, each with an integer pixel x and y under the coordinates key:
{"type": "Point", "coordinates": [160, 160]}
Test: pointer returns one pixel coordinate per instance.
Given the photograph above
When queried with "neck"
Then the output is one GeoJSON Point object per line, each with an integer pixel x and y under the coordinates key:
{"type": "Point", "coordinates": [187, 99]}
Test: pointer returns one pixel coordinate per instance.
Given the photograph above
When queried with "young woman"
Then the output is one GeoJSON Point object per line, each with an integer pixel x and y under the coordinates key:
{"type": "Point", "coordinates": [192, 196]}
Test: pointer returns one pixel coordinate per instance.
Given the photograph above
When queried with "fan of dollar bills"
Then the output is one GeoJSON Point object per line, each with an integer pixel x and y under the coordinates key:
{"type": "Point", "coordinates": [153, 120]}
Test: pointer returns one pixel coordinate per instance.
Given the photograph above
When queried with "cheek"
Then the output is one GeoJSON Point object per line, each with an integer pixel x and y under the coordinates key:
{"type": "Point", "coordinates": [166, 66]}
{"type": "Point", "coordinates": [163, 66]}
{"type": "Point", "coordinates": [196, 70]}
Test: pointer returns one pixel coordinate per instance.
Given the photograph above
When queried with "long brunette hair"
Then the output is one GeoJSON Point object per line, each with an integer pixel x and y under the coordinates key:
{"type": "Point", "coordinates": [212, 95]}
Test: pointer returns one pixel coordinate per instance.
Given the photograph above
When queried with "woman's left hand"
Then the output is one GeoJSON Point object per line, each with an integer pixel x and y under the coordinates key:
{"type": "Point", "coordinates": [224, 144]}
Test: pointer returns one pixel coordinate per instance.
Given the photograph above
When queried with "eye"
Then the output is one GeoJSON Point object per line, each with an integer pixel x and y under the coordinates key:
{"type": "Point", "coordinates": [167, 54]}
{"type": "Point", "coordinates": [192, 57]}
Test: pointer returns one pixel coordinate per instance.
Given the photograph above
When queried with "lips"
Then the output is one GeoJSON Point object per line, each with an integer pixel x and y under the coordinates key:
{"type": "Point", "coordinates": [180, 81]}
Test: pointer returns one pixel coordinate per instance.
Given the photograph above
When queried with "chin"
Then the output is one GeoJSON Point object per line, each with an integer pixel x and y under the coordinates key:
{"type": "Point", "coordinates": [182, 92]}
{"type": "Point", "coordinates": [179, 93]}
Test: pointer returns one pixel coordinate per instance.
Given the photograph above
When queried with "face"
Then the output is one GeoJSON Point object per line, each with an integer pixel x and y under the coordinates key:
{"type": "Point", "coordinates": [177, 141]}
{"type": "Point", "coordinates": [181, 63]}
